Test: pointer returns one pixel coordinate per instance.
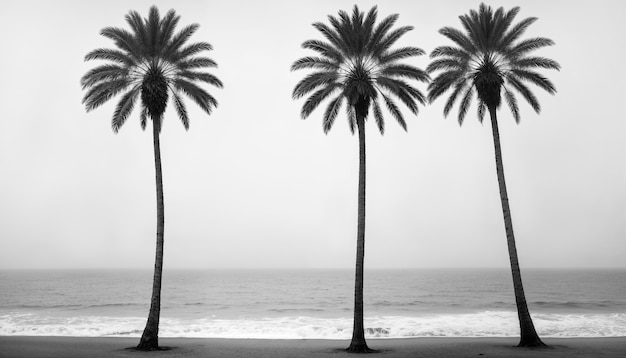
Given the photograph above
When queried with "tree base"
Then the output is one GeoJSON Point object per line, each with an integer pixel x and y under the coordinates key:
{"type": "Point", "coordinates": [533, 343]}
{"type": "Point", "coordinates": [146, 348]}
{"type": "Point", "coordinates": [148, 344]}
{"type": "Point", "coordinates": [359, 348]}
{"type": "Point", "coordinates": [149, 349]}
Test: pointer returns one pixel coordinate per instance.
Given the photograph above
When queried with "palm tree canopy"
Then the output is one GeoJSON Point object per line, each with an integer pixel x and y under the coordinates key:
{"type": "Point", "coordinates": [489, 58]}
{"type": "Point", "coordinates": [355, 64]}
{"type": "Point", "coordinates": [152, 62]}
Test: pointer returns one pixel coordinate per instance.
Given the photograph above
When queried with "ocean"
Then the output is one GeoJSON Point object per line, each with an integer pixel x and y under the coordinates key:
{"type": "Point", "coordinates": [311, 304]}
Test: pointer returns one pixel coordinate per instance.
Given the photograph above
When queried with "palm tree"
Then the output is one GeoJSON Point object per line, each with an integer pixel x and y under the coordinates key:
{"type": "Point", "coordinates": [489, 59]}
{"type": "Point", "coordinates": [356, 65]}
{"type": "Point", "coordinates": [152, 63]}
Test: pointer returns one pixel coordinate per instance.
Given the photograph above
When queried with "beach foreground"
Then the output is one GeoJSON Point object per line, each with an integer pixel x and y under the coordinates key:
{"type": "Point", "coordinates": [69, 347]}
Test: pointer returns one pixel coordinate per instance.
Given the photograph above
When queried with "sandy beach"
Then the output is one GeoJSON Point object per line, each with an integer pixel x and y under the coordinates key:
{"type": "Point", "coordinates": [69, 347]}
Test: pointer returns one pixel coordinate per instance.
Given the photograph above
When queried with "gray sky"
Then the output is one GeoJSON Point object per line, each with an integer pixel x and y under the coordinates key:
{"type": "Point", "coordinates": [252, 185]}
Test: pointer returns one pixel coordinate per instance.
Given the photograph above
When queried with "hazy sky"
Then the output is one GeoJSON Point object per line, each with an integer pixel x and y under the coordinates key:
{"type": "Point", "coordinates": [253, 185]}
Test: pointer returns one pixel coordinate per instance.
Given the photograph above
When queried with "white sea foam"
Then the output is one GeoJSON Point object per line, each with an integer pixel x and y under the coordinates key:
{"type": "Point", "coordinates": [483, 324]}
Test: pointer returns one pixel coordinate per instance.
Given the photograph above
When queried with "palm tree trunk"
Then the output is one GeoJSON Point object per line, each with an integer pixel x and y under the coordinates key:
{"type": "Point", "coordinates": [529, 337]}
{"type": "Point", "coordinates": [150, 337]}
{"type": "Point", "coordinates": [358, 344]}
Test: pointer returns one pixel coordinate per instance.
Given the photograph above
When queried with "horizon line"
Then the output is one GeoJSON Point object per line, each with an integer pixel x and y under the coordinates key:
{"type": "Point", "coordinates": [309, 268]}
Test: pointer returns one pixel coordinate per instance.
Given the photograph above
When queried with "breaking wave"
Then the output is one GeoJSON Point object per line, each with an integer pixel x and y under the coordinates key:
{"type": "Point", "coordinates": [482, 324]}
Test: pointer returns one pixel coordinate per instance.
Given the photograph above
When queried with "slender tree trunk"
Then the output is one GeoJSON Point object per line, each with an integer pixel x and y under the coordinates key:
{"type": "Point", "coordinates": [358, 344]}
{"type": "Point", "coordinates": [529, 337]}
{"type": "Point", "coordinates": [150, 337]}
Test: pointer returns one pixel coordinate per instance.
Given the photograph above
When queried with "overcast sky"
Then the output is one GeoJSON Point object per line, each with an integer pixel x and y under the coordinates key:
{"type": "Point", "coordinates": [254, 186]}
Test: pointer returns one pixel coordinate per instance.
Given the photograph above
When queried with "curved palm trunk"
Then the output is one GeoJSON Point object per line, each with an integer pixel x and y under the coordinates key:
{"type": "Point", "coordinates": [529, 337]}
{"type": "Point", "coordinates": [358, 344]}
{"type": "Point", "coordinates": [150, 337]}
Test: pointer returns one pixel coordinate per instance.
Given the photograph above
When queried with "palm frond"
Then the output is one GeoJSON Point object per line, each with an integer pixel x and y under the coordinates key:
{"type": "Point", "coordinates": [440, 84]}
{"type": "Point", "coordinates": [395, 111]}
{"type": "Point", "coordinates": [201, 97]}
{"type": "Point", "coordinates": [124, 40]}
{"type": "Point", "coordinates": [168, 25]}
{"type": "Point", "coordinates": [331, 113]}
{"type": "Point", "coordinates": [313, 81]}
{"type": "Point", "coordinates": [194, 49]}
{"type": "Point", "coordinates": [330, 34]}
{"type": "Point", "coordinates": [512, 102]}
{"type": "Point", "coordinates": [152, 29]}
{"type": "Point", "coordinates": [400, 53]}
{"type": "Point", "coordinates": [518, 30]}
{"type": "Point", "coordinates": [525, 92]}
{"type": "Point", "coordinates": [102, 92]}
{"type": "Point", "coordinates": [459, 86]}
{"type": "Point", "coordinates": [380, 31]}
{"type": "Point", "coordinates": [531, 62]}
{"type": "Point", "coordinates": [446, 64]}
{"type": "Point", "coordinates": [357, 21]}
{"type": "Point", "coordinates": [137, 25]}
{"type": "Point", "coordinates": [528, 45]}
{"type": "Point", "coordinates": [378, 50]}
{"type": "Point", "coordinates": [475, 29]}
{"type": "Point", "coordinates": [449, 51]}
{"type": "Point", "coordinates": [465, 103]}
{"type": "Point", "coordinates": [405, 71]}
{"type": "Point", "coordinates": [500, 26]}
{"type": "Point", "coordinates": [203, 77]}
{"type": "Point", "coordinates": [369, 23]}
{"type": "Point", "coordinates": [399, 89]}
{"type": "Point", "coordinates": [143, 117]}
{"type": "Point", "coordinates": [360, 33]}
{"type": "Point", "coordinates": [323, 49]}
{"type": "Point", "coordinates": [378, 115]}
{"type": "Point", "coordinates": [346, 33]}
{"type": "Point", "coordinates": [416, 94]}
{"type": "Point", "coordinates": [196, 62]}
{"type": "Point", "coordinates": [351, 116]}
{"type": "Point", "coordinates": [315, 63]}
{"type": "Point", "coordinates": [177, 41]}
{"type": "Point", "coordinates": [482, 107]}
{"type": "Point", "coordinates": [482, 27]}
{"type": "Point", "coordinates": [110, 55]}
{"type": "Point", "coordinates": [536, 79]}
{"type": "Point", "coordinates": [124, 108]}
{"type": "Point", "coordinates": [459, 38]}
{"type": "Point", "coordinates": [101, 73]}
{"type": "Point", "coordinates": [181, 109]}
{"type": "Point", "coordinates": [507, 20]}
{"type": "Point", "coordinates": [340, 29]}
{"type": "Point", "coordinates": [318, 97]}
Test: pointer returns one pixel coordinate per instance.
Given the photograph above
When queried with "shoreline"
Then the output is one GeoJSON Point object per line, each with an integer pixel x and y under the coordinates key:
{"type": "Point", "coordinates": [435, 347]}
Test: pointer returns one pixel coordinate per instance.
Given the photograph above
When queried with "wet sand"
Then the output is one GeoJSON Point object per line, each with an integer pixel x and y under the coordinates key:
{"type": "Point", "coordinates": [70, 347]}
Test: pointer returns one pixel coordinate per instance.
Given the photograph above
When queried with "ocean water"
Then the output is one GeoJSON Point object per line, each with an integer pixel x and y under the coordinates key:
{"type": "Point", "coordinates": [314, 304]}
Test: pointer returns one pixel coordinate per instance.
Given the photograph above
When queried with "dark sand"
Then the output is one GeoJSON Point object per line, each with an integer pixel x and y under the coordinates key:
{"type": "Point", "coordinates": [70, 347]}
